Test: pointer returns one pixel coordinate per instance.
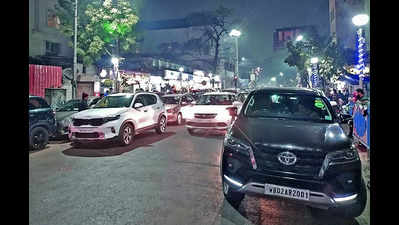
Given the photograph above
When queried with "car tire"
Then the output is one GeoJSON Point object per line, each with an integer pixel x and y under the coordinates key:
{"type": "Point", "coordinates": [179, 119]}
{"type": "Point", "coordinates": [126, 134]}
{"type": "Point", "coordinates": [161, 126]}
{"type": "Point", "coordinates": [190, 131]}
{"type": "Point", "coordinates": [233, 197]}
{"type": "Point", "coordinates": [38, 138]}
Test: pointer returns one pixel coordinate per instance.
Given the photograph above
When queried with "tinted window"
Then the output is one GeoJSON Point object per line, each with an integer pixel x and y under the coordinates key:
{"type": "Point", "coordinates": [171, 99]}
{"type": "Point", "coordinates": [288, 106]}
{"type": "Point", "coordinates": [114, 102]}
{"type": "Point", "coordinates": [151, 99]}
{"type": "Point", "coordinates": [216, 100]}
{"type": "Point", "coordinates": [140, 99]}
{"type": "Point", "coordinates": [37, 103]}
{"type": "Point", "coordinates": [69, 105]}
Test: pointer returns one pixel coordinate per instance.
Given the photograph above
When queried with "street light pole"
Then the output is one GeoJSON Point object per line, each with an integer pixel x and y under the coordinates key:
{"type": "Point", "coordinates": [360, 21]}
{"type": "Point", "coordinates": [75, 58]}
{"type": "Point", "coordinates": [236, 33]}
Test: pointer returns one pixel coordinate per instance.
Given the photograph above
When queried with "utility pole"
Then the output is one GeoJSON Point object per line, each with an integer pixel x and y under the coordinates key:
{"type": "Point", "coordinates": [75, 59]}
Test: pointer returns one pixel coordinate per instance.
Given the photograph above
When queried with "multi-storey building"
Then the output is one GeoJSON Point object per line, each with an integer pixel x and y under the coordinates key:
{"type": "Point", "coordinates": [341, 14]}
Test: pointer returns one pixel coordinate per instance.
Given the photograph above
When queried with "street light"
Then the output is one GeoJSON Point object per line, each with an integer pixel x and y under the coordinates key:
{"type": "Point", "coordinates": [299, 38]}
{"type": "Point", "coordinates": [359, 21]}
{"type": "Point", "coordinates": [236, 33]}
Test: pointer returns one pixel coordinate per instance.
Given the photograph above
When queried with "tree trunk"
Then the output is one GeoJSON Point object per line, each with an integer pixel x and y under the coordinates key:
{"type": "Point", "coordinates": [216, 58]}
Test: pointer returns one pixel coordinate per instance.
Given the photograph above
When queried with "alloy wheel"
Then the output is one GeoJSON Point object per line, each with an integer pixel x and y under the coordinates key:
{"type": "Point", "coordinates": [162, 124]}
{"type": "Point", "coordinates": [127, 134]}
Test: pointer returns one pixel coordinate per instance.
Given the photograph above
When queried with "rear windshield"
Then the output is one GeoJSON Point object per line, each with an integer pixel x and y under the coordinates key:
{"type": "Point", "coordinates": [216, 100]}
{"type": "Point", "coordinates": [288, 106]}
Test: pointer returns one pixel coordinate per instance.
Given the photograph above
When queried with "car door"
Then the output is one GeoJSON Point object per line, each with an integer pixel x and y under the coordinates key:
{"type": "Point", "coordinates": [140, 114]}
{"type": "Point", "coordinates": [41, 113]}
{"type": "Point", "coordinates": [153, 108]}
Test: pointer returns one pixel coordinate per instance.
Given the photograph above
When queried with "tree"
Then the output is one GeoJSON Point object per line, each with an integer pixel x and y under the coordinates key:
{"type": "Point", "coordinates": [102, 24]}
{"type": "Point", "coordinates": [332, 57]}
{"type": "Point", "coordinates": [216, 25]}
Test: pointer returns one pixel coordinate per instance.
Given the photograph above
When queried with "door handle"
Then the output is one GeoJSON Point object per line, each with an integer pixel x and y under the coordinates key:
{"type": "Point", "coordinates": [145, 110]}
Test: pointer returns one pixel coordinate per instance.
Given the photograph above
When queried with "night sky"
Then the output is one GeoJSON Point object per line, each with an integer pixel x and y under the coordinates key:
{"type": "Point", "coordinates": [262, 18]}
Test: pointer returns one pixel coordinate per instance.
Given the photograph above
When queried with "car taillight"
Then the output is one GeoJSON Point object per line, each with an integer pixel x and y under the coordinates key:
{"type": "Point", "coordinates": [169, 110]}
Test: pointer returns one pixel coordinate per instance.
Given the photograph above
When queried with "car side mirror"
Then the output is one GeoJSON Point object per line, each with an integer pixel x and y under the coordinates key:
{"type": "Point", "coordinates": [138, 105]}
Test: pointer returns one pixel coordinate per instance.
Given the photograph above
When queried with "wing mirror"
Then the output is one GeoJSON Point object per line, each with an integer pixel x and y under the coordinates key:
{"type": "Point", "coordinates": [138, 105]}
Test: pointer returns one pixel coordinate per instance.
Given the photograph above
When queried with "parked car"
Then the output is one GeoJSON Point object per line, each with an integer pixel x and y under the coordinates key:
{"type": "Point", "coordinates": [119, 117]}
{"type": "Point", "coordinates": [287, 142]}
{"type": "Point", "coordinates": [212, 111]}
{"type": "Point", "coordinates": [231, 90]}
{"type": "Point", "coordinates": [42, 122]}
{"type": "Point", "coordinates": [175, 106]}
{"type": "Point", "coordinates": [63, 116]}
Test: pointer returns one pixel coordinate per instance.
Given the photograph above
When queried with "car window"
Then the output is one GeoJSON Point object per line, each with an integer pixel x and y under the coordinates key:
{"type": "Point", "coordinates": [171, 99]}
{"type": "Point", "coordinates": [140, 99]}
{"type": "Point", "coordinates": [37, 103]}
{"type": "Point", "coordinates": [69, 105]}
{"type": "Point", "coordinates": [150, 99]}
{"type": "Point", "coordinates": [288, 106]}
{"type": "Point", "coordinates": [216, 100]}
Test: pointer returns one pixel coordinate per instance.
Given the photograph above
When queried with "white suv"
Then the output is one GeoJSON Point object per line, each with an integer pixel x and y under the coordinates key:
{"type": "Point", "coordinates": [119, 116]}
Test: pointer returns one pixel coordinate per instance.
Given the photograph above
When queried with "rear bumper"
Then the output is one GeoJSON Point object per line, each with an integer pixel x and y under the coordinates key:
{"type": "Point", "coordinates": [208, 124]}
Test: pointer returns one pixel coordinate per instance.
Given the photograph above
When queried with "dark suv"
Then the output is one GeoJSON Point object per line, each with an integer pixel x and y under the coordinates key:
{"type": "Point", "coordinates": [42, 123]}
{"type": "Point", "coordinates": [288, 142]}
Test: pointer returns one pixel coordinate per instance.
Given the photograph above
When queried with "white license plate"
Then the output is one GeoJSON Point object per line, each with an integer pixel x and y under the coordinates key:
{"type": "Point", "coordinates": [295, 193]}
{"type": "Point", "coordinates": [85, 130]}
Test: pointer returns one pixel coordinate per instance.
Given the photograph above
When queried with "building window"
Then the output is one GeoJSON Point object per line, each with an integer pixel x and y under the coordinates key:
{"type": "Point", "coordinates": [52, 48]}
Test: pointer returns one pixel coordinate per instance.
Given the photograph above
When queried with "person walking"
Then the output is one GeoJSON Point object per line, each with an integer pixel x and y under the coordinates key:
{"type": "Point", "coordinates": [83, 105]}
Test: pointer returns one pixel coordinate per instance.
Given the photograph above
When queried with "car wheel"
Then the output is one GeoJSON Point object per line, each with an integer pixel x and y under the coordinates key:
{"type": "Point", "coordinates": [126, 134]}
{"type": "Point", "coordinates": [179, 119]}
{"type": "Point", "coordinates": [38, 138]}
{"type": "Point", "coordinates": [233, 197]}
{"type": "Point", "coordinates": [190, 130]}
{"type": "Point", "coordinates": [161, 126]}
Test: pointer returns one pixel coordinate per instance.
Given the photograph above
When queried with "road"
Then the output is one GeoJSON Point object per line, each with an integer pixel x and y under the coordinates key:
{"type": "Point", "coordinates": [168, 179]}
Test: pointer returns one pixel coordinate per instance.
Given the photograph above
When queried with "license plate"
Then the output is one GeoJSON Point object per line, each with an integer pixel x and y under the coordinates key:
{"type": "Point", "coordinates": [85, 130]}
{"type": "Point", "coordinates": [295, 193]}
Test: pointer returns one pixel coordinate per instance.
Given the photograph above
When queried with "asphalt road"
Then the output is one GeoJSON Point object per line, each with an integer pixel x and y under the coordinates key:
{"type": "Point", "coordinates": [168, 179]}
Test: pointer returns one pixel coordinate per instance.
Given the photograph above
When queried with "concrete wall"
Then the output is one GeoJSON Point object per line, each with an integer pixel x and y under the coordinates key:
{"type": "Point", "coordinates": [39, 31]}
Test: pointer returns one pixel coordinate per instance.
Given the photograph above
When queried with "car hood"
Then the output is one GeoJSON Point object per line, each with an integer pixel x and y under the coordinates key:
{"type": "Point", "coordinates": [209, 108]}
{"type": "Point", "coordinates": [99, 113]}
{"type": "Point", "coordinates": [59, 116]}
{"type": "Point", "coordinates": [291, 134]}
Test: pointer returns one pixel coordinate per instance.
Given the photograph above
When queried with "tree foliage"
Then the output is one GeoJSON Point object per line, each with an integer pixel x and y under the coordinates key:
{"type": "Point", "coordinates": [102, 24]}
{"type": "Point", "coordinates": [332, 57]}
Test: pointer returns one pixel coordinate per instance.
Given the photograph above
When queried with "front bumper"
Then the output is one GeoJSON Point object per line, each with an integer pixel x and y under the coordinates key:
{"type": "Point", "coordinates": [89, 133]}
{"type": "Point", "coordinates": [208, 124]}
{"type": "Point", "coordinates": [327, 192]}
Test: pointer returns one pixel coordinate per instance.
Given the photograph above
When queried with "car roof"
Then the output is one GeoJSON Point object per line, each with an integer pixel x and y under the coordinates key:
{"type": "Point", "coordinates": [122, 94]}
{"type": "Point", "coordinates": [219, 93]}
{"type": "Point", "coordinates": [289, 90]}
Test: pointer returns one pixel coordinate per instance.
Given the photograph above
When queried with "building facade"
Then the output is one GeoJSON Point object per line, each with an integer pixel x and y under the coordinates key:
{"type": "Point", "coordinates": [341, 13]}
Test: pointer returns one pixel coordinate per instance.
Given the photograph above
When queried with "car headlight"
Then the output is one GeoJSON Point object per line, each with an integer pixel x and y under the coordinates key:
{"type": "Point", "coordinates": [350, 154]}
{"type": "Point", "coordinates": [107, 119]}
{"type": "Point", "coordinates": [241, 147]}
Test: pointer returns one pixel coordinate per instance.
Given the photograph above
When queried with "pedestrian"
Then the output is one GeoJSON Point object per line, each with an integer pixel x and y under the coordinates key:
{"type": "Point", "coordinates": [83, 105]}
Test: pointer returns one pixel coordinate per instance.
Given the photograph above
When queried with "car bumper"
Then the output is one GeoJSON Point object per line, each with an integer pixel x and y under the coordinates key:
{"type": "Point", "coordinates": [208, 124]}
{"type": "Point", "coordinates": [327, 192]}
{"type": "Point", "coordinates": [90, 133]}
{"type": "Point", "coordinates": [172, 117]}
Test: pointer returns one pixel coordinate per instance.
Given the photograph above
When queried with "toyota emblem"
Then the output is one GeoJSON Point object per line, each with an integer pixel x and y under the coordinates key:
{"type": "Point", "coordinates": [287, 158]}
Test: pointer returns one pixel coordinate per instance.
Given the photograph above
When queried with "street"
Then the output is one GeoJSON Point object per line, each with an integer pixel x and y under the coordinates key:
{"type": "Point", "coordinates": [168, 179]}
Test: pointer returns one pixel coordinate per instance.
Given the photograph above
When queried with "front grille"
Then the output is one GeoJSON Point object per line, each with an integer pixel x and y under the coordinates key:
{"type": "Point", "coordinates": [86, 135]}
{"type": "Point", "coordinates": [308, 162]}
{"type": "Point", "coordinates": [92, 122]}
{"type": "Point", "coordinates": [206, 124]}
{"type": "Point", "coordinates": [205, 115]}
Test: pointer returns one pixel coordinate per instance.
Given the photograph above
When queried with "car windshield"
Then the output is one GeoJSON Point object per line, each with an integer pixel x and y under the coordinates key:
{"type": "Point", "coordinates": [216, 100]}
{"type": "Point", "coordinates": [288, 106]}
{"type": "Point", "coordinates": [171, 99]}
{"type": "Point", "coordinates": [114, 102]}
{"type": "Point", "coordinates": [69, 105]}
